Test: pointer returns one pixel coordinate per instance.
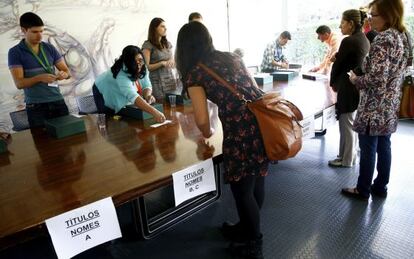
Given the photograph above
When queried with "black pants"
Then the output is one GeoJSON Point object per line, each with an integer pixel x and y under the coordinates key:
{"type": "Point", "coordinates": [37, 113]}
{"type": "Point", "coordinates": [99, 101]}
{"type": "Point", "coordinates": [249, 196]}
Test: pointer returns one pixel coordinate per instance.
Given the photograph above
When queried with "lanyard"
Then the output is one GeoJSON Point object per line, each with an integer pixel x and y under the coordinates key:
{"type": "Point", "coordinates": [46, 67]}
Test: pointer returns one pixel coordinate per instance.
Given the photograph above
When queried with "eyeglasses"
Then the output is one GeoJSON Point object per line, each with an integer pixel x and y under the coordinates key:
{"type": "Point", "coordinates": [139, 61]}
{"type": "Point", "coordinates": [371, 15]}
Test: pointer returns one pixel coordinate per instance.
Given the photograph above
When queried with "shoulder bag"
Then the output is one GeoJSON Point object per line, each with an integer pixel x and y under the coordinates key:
{"type": "Point", "coordinates": [278, 120]}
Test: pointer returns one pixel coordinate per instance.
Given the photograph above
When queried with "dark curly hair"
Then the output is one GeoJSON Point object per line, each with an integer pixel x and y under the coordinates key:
{"type": "Point", "coordinates": [128, 59]}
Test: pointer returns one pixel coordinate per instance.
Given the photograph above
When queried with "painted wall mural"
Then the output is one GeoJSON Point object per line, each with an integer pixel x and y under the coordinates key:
{"type": "Point", "coordinates": [91, 34]}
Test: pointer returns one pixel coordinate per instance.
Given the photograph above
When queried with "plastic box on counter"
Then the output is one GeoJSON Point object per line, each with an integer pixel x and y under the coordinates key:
{"type": "Point", "coordinates": [284, 75]}
{"type": "Point", "coordinates": [3, 146]}
{"type": "Point", "coordinates": [263, 78]}
{"type": "Point", "coordinates": [65, 126]}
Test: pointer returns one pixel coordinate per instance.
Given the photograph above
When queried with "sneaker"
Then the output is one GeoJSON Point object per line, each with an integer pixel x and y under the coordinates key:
{"type": "Point", "coordinates": [336, 162]}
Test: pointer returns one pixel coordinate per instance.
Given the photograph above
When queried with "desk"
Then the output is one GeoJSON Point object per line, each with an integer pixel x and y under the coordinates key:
{"type": "Point", "coordinates": [311, 97]}
{"type": "Point", "coordinates": [42, 177]}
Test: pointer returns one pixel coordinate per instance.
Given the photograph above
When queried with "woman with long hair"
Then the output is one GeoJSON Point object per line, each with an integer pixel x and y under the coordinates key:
{"type": "Point", "coordinates": [380, 92]}
{"type": "Point", "coordinates": [244, 159]}
{"type": "Point", "coordinates": [159, 59]}
{"type": "Point", "coordinates": [350, 55]}
{"type": "Point", "coordinates": [115, 88]}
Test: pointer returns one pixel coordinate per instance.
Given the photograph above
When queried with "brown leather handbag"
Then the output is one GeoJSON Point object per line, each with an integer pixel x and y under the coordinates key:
{"type": "Point", "coordinates": [407, 99]}
{"type": "Point", "coordinates": [278, 121]}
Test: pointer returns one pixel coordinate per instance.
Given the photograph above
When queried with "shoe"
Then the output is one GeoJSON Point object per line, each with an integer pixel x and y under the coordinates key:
{"type": "Point", "coordinates": [377, 193]}
{"type": "Point", "coordinates": [335, 163]}
{"type": "Point", "coordinates": [233, 232]}
{"type": "Point", "coordinates": [353, 193]}
{"type": "Point", "coordinates": [251, 249]}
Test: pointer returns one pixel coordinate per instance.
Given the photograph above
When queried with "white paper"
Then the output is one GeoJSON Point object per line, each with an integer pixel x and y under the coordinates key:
{"type": "Point", "coordinates": [329, 117]}
{"type": "Point", "coordinates": [53, 84]}
{"type": "Point", "coordinates": [308, 127]}
{"type": "Point", "coordinates": [83, 228]}
{"type": "Point", "coordinates": [156, 125]}
{"type": "Point", "coordinates": [193, 181]}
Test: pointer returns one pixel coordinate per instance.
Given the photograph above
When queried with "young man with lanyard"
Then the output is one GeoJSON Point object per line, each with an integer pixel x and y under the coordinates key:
{"type": "Point", "coordinates": [32, 65]}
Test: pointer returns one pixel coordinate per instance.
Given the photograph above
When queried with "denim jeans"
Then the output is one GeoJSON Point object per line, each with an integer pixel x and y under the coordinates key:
{"type": "Point", "coordinates": [37, 113]}
{"type": "Point", "coordinates": [370, 146]}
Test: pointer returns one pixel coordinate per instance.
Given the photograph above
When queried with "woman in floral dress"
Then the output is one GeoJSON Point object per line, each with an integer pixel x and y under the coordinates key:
{"type": "Point", "coordinates": [244, 159]}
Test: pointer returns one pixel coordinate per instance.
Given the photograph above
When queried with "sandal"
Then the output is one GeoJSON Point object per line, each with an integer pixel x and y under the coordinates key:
{"type": "Point", "coordinates": [354, 193]}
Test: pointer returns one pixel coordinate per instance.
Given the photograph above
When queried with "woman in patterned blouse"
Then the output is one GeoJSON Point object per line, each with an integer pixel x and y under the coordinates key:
{"type": "Point", "coordinates": [380, 92]}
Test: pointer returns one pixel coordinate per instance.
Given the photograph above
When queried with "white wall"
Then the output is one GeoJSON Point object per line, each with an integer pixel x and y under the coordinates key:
{"type": "Point", "coordinates": [93, 33]}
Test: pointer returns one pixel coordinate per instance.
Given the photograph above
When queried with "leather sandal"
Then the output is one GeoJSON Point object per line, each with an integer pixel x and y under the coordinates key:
{"type": "Point", "coordinates": [353, 193]}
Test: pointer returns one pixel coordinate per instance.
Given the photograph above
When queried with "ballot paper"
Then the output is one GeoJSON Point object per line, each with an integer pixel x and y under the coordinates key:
{"type": "Point", "coordinates": [53, 84]}
{"type": "Point", "coordinates": [156, 125]}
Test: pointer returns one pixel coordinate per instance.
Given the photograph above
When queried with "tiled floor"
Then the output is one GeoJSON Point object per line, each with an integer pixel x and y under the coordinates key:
{"type": "Point", "coordinates": [304, 215]}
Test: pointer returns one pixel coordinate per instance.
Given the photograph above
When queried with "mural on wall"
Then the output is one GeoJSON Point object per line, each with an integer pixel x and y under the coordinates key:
{"type": "Point", "coordinates": [90, 34]}
{"type": "Point", "coordinates": [85, 59]}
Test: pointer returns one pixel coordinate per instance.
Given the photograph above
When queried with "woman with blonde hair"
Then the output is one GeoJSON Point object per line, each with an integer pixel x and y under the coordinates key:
{"type": "Point", "coordinates": [380, 92]}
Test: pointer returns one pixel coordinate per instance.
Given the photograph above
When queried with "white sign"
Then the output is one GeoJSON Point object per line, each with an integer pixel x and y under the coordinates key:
{"type": "Point", "coordinates": [193, 181]}
{"type": "Point", "coordinates": [308, 127]}
{"type": "Point", "coordinates": [329, 117]}
{"type": "Point", "coordinates": [80, 229]}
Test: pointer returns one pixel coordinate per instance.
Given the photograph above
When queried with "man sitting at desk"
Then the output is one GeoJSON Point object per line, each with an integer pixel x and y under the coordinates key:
{"type": "Point", "coordinates": [273, 57]}
{"type": "Point", "coordinates": [333, 41]}
{"type": "Point", "coordinates": [32, 65]}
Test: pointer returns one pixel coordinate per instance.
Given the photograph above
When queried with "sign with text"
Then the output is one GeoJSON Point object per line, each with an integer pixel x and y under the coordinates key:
{"type": "Point", "coordinates": [80, 229]}
{"type": "Point", "coordinates": [193, 181]}
{"type": "Point", "coordinates": [329, 117]}
{"type": "Point", "coordinates": [308, 127]}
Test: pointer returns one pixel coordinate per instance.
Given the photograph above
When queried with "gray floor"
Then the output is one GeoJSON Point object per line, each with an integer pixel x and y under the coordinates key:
{"type": "Point", "coordinates": [304, 214]}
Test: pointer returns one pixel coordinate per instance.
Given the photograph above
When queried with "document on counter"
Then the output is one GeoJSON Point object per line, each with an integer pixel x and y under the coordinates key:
{"type": "Point", "coordinates": [156, 125]}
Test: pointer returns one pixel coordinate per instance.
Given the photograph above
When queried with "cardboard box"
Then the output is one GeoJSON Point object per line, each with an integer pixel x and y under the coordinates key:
{"type": "Point", "coordinates": [3, 146]}
{"type": "Point", "coordinates": [284, 75]}
{"type": "Point", "coordinates": [179, 99]}
{"type": "Point", "coordinates": [263, 79]}
{"type": "Point", "coordinates": [133, 111]}
{"type": "Point", "coordinates": [64, 126]}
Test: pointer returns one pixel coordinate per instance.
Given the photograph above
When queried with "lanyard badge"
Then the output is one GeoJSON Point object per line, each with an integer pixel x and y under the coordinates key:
{"type": "Point", "coordinates": [46, 66]}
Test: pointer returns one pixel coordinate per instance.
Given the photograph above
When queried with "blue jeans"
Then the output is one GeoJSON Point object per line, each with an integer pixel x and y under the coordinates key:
{"type": "Point", "coordinates": [371, 146]}
{"type": "Point", "coordinates": [37, 113]}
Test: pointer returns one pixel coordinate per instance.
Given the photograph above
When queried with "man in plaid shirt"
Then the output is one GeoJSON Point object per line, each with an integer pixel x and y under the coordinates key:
{"type": "Point", "coordinates": [273, 57]}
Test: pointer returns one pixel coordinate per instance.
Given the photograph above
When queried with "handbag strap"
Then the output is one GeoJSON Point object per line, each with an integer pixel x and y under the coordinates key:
{"type": "Point", "coordinates": [223, 82]}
